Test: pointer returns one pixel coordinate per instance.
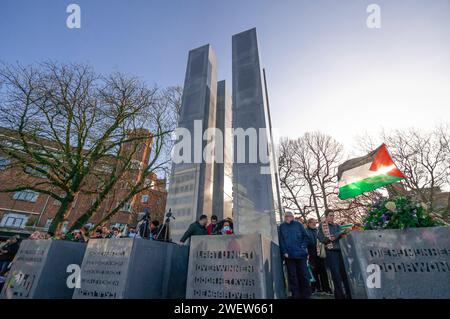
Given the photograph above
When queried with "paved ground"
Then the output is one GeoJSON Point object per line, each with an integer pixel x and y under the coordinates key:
{"type": "Point", "coordinates": [321, 296]}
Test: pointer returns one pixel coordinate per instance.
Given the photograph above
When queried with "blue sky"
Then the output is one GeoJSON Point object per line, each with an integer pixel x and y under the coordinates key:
{"type": "Point", "coordinates": [326, 70]}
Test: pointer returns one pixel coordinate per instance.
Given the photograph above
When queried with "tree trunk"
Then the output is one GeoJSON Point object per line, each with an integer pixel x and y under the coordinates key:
{"type": "Point", "coordinates": [59, 217]}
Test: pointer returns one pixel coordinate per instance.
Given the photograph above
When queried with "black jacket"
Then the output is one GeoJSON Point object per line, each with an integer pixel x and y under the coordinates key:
{"type": "Point", "coordinates": [11, 250]}
{"type": "Point", "coordinates": [194, 229]}
{"type": "Point", "coordinates": [312, 246]}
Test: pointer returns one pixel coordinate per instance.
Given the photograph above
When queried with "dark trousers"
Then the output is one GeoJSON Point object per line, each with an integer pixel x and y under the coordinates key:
{"type": "Point", "coordinates": [298, 278]}
{"type": "Point", "coordinates": [335, 263]}
{"type": "Point", "coordinates": [319, 271]}
{"type": "Point", "coordinates": [3, 266]}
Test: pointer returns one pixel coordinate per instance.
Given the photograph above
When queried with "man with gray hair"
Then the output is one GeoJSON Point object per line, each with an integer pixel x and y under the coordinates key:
{"type": "Point", "coordinates": [293, 245]}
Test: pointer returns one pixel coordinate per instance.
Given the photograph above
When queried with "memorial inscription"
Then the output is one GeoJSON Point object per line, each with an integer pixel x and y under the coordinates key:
{"type": "Point", "coordinates": [231, 267]}
{"type": "Point", "coordinates": [405, 259]}
{"type": "Point", "coordinates": [39, 269]}
{"type": "Point", "coordinates": [133, 268]}
{"type": "Point", "coordinates": [104, 269]}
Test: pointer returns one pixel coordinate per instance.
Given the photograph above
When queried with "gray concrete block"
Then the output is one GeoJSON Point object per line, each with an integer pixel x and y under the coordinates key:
{"type": "Point", "coordinates": [413, 263]}
{"type": "Point", "coordinates": [133, 268]}
{"type": "Point", "coordinates": [234, 267]}
{"type": "Point", "coordinates": [39, 269]}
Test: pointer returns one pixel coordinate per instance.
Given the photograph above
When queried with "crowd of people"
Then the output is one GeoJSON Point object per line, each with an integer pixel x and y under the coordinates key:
{"type": "Point", "coordinates": [309, 251]}
{"type": "Point", "coordinates": [215, 227]}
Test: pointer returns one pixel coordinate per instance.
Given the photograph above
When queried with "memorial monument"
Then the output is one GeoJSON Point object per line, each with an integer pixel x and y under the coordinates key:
{"type": "Point", "coordinates": [412, 263]}
{"type": "Point", "coordinates": [223, 187]}
{"type": "Point", "coordinates": [255, 193]}
{"type": "Point", "coordinates": [132, 268]}
{"type": "Point", "coordinates": [191, 182]}
{"type": "Point", "coordinates": [39, 270]}
{"type": "Point", "coordinates": [246, 265]}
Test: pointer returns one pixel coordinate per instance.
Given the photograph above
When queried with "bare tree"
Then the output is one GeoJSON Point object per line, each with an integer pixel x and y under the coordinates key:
{"type": "Point", "coordinates": [444, 137]}
{"type": "Point", "coordinates": [423, 157]}
{"type": "Point", "coordinates": [308, 168]}
{"type": "Point", "coordinates": [292, 186]}
{"type": "Point", "coordinates": [79, 131]}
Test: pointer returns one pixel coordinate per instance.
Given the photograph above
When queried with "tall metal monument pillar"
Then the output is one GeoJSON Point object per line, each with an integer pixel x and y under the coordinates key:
{"type": "Point", "coordinates": [255, 203]}
{"type": "Point", "coordinates": [191, 183]}
{"type": "Point", "coordinates": [223, 188]}
{"type": "Point", "coordinates": [254, 246]}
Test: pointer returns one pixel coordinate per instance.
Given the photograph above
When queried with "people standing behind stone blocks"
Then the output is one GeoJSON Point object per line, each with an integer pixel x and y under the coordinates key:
{"type": "Point", "coordinates": [131, 232]}
{"type": "Point", "coordinates": [36, 235]}
{"type": "Point", "coordinates": [195, 229]}
{"type": "Point", "coordinates": [226, 222]}
{"type": "Point", "coordinates": [154, 227]}
{"type": "Point", "coordinates": [330, 234]}
{"type": "Point", "coordinates": [116, 233]}
{"type": "Point", "coordinates": [226, 228]}
{"type": "Point", "coordinates": [7, 253]}
{"type": "Point", "coordinates": [213, 227]}
{"type": "Point", "coordinates": [105, 232]}
{"type": "Point", "coordinates": [319, 271]}
{"type": "Point", "coordinates": [294, 241]}
{"type": "Point", "coordinates": [97, 234]}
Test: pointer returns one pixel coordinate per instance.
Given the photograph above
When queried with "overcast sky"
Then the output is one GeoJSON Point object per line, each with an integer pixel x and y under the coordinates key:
{"type": "Point", "coordinates": [326, 69]}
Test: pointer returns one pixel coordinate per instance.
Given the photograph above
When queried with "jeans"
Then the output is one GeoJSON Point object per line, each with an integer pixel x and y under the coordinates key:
{"type": "Point", "coordinates": [298, 278]}
{"type": "Point", "coordinates": [335, 263]}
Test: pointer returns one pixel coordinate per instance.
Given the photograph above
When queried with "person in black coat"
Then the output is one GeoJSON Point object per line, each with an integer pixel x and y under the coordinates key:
{"type": "Point", "coordinates": [293, 246]}
{"type": "Point", "coordinates": [195, 229]}
{"type": "Point", "coordinates": [7, 253]}
{"type": "Point", "coordinates": [318, 266]}
{"type": "Point", "coordinates": [334, 259]}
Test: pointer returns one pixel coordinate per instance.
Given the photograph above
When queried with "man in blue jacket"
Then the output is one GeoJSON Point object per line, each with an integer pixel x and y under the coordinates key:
{"type": "Point", "coordinates": [293, 245]}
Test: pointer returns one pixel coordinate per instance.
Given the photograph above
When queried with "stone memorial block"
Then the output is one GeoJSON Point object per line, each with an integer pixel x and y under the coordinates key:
{"type": "Point", "coordinates": [133, 268]}
{"type": "Point", "coordinates": [39, 269]}
{"type": "Point", "coordinates": [413, 263]}
{"type": "Point", "coordinates": [234, 267]}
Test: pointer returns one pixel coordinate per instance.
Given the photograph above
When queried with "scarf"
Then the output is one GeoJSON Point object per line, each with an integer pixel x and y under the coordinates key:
{"type": "Point", "coordinates": [326, 232]}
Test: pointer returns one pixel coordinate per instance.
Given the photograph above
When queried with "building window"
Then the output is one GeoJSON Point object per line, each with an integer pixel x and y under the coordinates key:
{"type": "Point", "coordinates": [48, 223]}
{"type": "Point", "coordinates": [64, 228]}
{"type": "Point", "coordinates": [105, 168]}
{"type": "Point", "coordinates": [14, 220]}
{"type": "Point", "coordinates": [4, 163]}
{"type": "Point", "coordinates": [144, 199]}
{"type": "Point", "coordinates": [33, 172]}
{"type": "Point", "coordinates": [26, 195]}
{"type": "Point", "coordinates": [119, 226]}
{"type": "Point", "coordinates": [126, 207]}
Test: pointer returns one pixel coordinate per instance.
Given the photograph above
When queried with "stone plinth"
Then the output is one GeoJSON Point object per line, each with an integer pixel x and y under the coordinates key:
{"type": "Point", "coordinates": [39, 269]}
{"type": "Point", "coordinates": [234, 267]}
{"type": "Point", "coordinates": [133, 268]}
{"type": "Point", "coordinates": [413, 263]}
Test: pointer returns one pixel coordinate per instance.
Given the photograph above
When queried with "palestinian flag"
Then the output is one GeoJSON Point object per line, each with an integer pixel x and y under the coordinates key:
{"type": "Point", "coordinates": [367, 173]}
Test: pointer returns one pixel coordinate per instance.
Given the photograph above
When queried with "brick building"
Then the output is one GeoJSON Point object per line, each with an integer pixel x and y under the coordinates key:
{"type": "Point", "coordinates": [25, 211]}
